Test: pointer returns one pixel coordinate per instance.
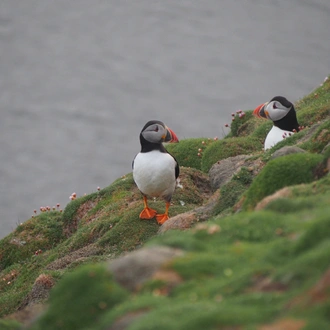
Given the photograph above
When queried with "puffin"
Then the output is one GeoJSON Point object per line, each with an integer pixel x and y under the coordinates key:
{"type": "Point", "coordinates": [155, 170]}
{"type": "Point", "coordinates": [283, 115]}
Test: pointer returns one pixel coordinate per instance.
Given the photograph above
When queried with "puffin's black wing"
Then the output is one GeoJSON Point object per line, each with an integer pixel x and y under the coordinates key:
{"type": "Point", "coordinates": [177, 168]}
{"type": "Point", "coordinates": [133, 162]}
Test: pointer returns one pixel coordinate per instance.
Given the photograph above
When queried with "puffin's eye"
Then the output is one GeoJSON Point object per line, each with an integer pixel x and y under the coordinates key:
{"type": "Point", "coordinates": [156, 129]}
{"type": "Point", "coordinates": [274, 106]}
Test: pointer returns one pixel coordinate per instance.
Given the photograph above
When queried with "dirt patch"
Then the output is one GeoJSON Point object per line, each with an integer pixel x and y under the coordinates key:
{"type": "Point", "coordinates": [202, 183]}
{"type": "Point", "coordinates": [39, 291]}
{"type": "Point", "coordinates": [85, 207]}
{"type": "Point", "coordinates": [81, 212]}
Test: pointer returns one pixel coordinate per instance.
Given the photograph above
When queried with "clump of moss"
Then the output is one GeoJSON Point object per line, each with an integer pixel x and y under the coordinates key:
{"type": "Point", "coordinates": [285, 205]}
{"type": "Point", "coordinates": [244, 176]}
{"type": "Point", "coordinates": [230, 147]}
{"type": "Point", "coordinates": [79, 300]}
{"type": "Point", "coordinates": [281, 172]}
{"type": "Point", "coordinates": [188, 152]}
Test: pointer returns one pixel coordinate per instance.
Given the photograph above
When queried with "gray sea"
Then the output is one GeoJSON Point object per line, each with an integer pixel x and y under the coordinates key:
{"type": "Point", "coordinates": [79, 79]}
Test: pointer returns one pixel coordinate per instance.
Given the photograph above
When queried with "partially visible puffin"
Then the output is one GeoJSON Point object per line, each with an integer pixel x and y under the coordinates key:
{"type": "Point", "coordinates": [155, 171]}
{"type": "Point", "coordinates": [283, 115]}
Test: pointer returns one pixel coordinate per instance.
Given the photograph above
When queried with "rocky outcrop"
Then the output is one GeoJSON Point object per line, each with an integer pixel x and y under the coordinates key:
{"type": "Point", "coordinates": [223, 171]}
{"type": "Point", "coordinates": [133, 269]}
{"type": "Point", "coordinates": [287, 150]}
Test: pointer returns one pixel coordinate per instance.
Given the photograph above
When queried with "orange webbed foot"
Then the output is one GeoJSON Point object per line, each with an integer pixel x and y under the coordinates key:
{"type": "Point", "coordinates": [161, 218]}
{"type": "Point", "coordinates": [147, 213]}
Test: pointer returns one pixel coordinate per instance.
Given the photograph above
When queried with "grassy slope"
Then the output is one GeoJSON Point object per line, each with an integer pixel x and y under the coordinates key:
{"type": "Point", "coordinates": [240, 270]}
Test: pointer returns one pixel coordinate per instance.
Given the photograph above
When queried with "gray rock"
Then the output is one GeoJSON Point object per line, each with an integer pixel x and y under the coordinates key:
{"type": "Point", "coordinates": [287, 150]}
{"type": "Point", "coordinates": [138, 266]}
{"type": "Point", "coordinates": [223, 171]}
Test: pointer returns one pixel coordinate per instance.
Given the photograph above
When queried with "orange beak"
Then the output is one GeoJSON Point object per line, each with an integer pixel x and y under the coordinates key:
{"type": "Point", "coordinates": [170, 136]}
{"type": "Point", "coordinates": [259, 111]}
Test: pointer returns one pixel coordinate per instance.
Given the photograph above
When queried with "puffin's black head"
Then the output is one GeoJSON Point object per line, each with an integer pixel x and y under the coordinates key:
{"type": "Point", "coordinates": [280, 111]}
{"type": "Point", "coordinates": [154, 133]}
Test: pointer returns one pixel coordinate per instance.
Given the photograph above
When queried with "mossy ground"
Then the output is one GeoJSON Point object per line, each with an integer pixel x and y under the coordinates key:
{"type": "Point", "coordinates": [240, 271]}
{"type": "Point", "coordinates": [248, 269]}
{"type": "Point", "coordinates": [101, 225]}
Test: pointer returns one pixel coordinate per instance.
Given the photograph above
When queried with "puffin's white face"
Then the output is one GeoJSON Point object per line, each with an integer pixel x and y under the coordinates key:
{"type": "Point", "coordinates": [155, 133]}
{"type": "Point", "coordinates": [275, 110]}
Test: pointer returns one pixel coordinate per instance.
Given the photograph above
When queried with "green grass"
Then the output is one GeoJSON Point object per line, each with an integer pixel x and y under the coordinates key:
{"type": "Point", "coordinates": [220, 273]}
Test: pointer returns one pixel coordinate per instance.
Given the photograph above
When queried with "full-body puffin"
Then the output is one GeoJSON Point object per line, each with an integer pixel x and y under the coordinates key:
{"type": "Point", "coordinates": [283, 115]}
{"type": "Point", "coordinates": [155, 171]}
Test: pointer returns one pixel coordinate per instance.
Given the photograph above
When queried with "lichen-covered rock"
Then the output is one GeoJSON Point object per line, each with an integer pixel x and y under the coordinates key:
{"type": "Point", "coordinates": [223, 170]}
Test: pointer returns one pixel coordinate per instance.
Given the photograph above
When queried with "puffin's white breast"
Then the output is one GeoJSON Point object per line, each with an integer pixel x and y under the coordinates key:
{"type": "Point", "coordinates": [154, 173]}
{"type": "Point", "coordinates": [274, 136]}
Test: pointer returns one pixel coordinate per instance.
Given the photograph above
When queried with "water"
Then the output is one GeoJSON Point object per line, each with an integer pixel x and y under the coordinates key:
{"type": "Point", "coordinates": [79, 79]}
